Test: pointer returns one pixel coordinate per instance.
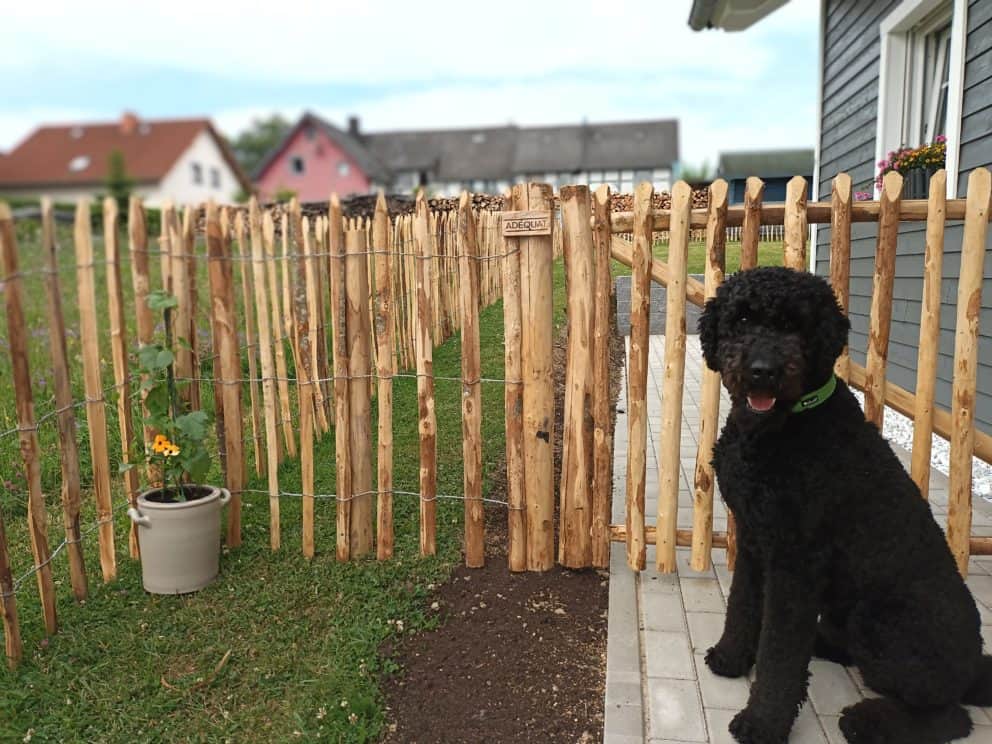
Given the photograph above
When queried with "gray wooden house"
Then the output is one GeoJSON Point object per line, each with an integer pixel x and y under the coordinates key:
{"type": "Point", "coordinates": [898, 73]}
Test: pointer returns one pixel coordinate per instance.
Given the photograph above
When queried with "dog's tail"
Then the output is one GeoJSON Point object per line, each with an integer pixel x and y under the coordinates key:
{"type": "Point", "coordinates": [980, 692]}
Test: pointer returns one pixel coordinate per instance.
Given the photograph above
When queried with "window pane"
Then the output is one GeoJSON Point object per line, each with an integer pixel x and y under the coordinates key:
{"type": "Point", "coordinates": [936, 73]}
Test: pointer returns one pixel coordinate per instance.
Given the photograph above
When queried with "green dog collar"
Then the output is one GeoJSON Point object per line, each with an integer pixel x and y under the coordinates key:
{"type": "Point", "coordinates": [818, 396]}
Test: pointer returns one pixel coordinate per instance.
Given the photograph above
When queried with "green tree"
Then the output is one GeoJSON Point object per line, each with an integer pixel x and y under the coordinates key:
{"type": "Point", "coordinates": [261, 137]}
{"type": "Point", "coordinates": [696, 173]}
{"type": "Point", "coordinates": [119, 184]}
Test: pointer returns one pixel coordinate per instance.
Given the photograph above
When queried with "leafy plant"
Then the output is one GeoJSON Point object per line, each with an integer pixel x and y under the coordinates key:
{"type": "Point", "coordinates": [254, 144]}
{"type": "Point", "coordinates": [696, 173]}
{"type": "Point", "coordinates": [930, 156]}
{"type": "Point", "coordinates": [178, 453]}
{"type": "Point", "coordinates": [284, 194]}
{"type": "Point", "coordinates": [118, 183]}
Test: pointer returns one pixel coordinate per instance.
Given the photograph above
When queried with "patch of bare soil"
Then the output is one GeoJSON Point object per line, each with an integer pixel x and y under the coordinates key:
{"type": "Point", "coordinates": [517, 657]}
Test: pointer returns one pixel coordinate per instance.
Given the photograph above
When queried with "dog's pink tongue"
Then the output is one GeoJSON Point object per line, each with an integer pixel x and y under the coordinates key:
{"type": "Point", "coordinates": [761, 402]}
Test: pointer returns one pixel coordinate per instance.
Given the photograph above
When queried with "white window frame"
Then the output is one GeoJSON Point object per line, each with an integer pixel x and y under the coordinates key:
{"type": "Point", "coordinates": [894, 31]}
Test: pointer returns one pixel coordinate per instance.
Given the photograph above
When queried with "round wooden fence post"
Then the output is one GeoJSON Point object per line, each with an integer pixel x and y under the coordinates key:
{"type": "Point", "coordinates": [926, 364]}
{"type": "Point", "coordinates": [976, 228]}
{"type": "Point", "coordinates": [475, 543]}
{"type": "Point", "coordinates": [796, 228]}
{"type": "Point", "coordinates": [96, 414]}
{"type": "Point", "coordinates": [68, 444]}
{"type": "Point", "coordinates": [385, 367]}
{"type": "Point", "coordinates": [709, 394]}
{"type": "Point", "coordinates": [342, 396]}
{"type": "Point", "coordinates": [671, 423]}
{"type": "Point", "coordinates": [637, 375]}
{"type": "Point", "coordinates": [536, 305]}
{"type": "Point", "coordinates": [251, 337]}
{"type": "Point", "coordinates": [575, 515]}
{"type": "Point", "coordinates": [880, 320]}
{"type": "Point", "coordinates": [513, 400]}
{"type": "Point", "coordinates": [360, 407]}
{"type": "Point", "coordinates": [602, 475]}
{"type": "Point", "coordinates": [268, 371]}
{"type": "Point", "coordinates": [27, 429]}
{"type": "Point", "coordinates": [424, 311]}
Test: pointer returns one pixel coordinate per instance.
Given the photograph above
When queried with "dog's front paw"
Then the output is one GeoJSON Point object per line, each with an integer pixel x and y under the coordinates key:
{"type": "Point", "coordinates": [726, 661]}
{"type": "Point", "coordinates": [747, 728]}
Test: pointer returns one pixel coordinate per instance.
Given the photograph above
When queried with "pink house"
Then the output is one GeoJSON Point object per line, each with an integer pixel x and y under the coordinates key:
{"type": "Point", "coordinates": [315, 159]}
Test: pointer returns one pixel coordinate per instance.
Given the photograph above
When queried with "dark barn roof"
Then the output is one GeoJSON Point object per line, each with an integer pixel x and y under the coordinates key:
{"type": "Point", "coordinates": [500, 153]}
{"type": "Point", "coordinates": [453, 154]}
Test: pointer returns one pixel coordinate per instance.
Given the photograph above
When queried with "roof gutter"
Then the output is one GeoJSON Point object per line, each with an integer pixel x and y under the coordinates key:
{"type": "Point", "coordinates": [701, 14]}
{"type": "Point", "coordinates": [730, 15]}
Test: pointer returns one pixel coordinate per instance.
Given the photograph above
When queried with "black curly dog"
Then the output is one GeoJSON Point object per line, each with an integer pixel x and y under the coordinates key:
{"type": "Point", "coordinates": [838, 554]}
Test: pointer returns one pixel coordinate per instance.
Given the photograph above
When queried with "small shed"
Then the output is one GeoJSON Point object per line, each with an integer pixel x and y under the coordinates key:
{"type": "Point", "coordinates": [774, 167]}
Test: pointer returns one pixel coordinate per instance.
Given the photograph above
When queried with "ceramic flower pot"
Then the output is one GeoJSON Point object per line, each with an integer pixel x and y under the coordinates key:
{"type": "Point", "coordinates": [180, 540]}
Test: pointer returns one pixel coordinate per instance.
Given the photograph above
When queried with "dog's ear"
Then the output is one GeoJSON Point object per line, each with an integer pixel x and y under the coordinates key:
{"type": "Point", "coordinates": [832, 328]}
{"type": "Point", "coordinates": [708, 327]}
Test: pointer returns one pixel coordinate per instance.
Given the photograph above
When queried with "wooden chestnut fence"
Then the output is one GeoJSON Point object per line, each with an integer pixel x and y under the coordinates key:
{"type": "Point", "coordinates": [794, 215]}
{"type": "Point", "coordinates": [324, 312]}
{"type": "Point", "coordinates": [311, 317]}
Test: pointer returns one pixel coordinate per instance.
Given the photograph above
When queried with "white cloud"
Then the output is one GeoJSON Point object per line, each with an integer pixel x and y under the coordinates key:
{"type": "Point", "coordinates": [345, 41]}
{"type": "Point", "coordinates": [441, 66]}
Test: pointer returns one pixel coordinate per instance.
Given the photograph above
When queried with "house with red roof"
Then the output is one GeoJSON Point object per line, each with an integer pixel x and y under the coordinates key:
{"type": "Point", "coordinates": [182, 160]}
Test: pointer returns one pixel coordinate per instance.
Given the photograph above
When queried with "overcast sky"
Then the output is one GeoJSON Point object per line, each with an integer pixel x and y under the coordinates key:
{"type": "Point", "coordinates": [397, 65]}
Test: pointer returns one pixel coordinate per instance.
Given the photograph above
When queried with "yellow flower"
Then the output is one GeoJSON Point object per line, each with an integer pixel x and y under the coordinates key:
{"type": "Point", "coordinates": [172, 450]}
{"type": "Point", "coordinates": [160, 443]}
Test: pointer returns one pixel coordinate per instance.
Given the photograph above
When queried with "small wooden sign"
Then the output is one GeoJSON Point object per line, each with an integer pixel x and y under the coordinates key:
{"type": "Point", "coordinates": [526, 223]}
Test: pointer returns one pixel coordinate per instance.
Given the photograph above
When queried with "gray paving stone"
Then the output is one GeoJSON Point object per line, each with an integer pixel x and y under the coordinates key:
{"type": "Point", "coordinates": [807, 729]}
{"type": "Point", "coordinates": [675, 710]}
{"type": "Point", "coordinates": [981, 587]}
{"type": "Point", "coordinates": [979, 716]}
{"type": "Point", "coordinates": [667, 654]}
{"type": "Point", "coordinates": [611, 738]}
{"type": "Point", "coordinates": [623, 693]}
{"type": "Point", "coordinates": [831, 727]}
{"type": "Point", "coordinates": [661, 609]}
{"type": "Point", "coordinates": [830, 687]}
{"type": "Point", "coordinates": [720, 692]}
{"type": "Point", "coordinates": [683, 557]}
{"type": "Point", "coordinates": [705, 629]}
{"type": "Point", "coordinates": [717, 721]}
{"type": "Point", "coordinates": [724, 576]}
{"type": "Point", "coordinates": [702, 595]}
{"type": "Point", "coordinates": [980, 735]}
{"type": "Point", "coordinates": [624, 720]}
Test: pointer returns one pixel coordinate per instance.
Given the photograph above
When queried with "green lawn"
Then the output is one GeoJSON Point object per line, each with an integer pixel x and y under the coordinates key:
{"type": "Point", "coordinates": [303, 635]}
{"type": "Point", "coordinates": [769, 254]}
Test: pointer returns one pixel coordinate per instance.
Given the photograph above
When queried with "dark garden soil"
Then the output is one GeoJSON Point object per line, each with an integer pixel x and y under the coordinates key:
{"type": "Point", "coordinates": [517, 657]}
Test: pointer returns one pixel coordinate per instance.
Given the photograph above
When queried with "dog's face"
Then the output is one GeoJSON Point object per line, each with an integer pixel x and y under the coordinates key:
{"type": "Point", "coordinates": [773, 334]}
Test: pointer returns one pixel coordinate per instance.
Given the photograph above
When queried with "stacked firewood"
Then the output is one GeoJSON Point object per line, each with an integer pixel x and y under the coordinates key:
{"type": "Point", "coordinates": [397, 204]}
{"type": "Point", "coordinates": [662, 200]}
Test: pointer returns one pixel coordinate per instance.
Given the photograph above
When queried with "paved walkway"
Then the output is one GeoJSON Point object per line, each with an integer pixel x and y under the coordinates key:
{"type": "Point", "coordinates": [657, 687]}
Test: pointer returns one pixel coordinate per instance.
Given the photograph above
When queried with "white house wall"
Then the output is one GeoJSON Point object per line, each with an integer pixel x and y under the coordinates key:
{"type": "Point", "coordinates": [178, 184]}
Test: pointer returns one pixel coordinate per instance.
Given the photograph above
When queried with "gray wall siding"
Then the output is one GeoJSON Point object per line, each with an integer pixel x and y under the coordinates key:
{"type": "Point", "coordinates": [849, 112]}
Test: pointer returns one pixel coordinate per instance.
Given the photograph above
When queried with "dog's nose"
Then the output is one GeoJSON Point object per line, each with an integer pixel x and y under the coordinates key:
{"type": "Point", "coordinates": [763, 372]}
